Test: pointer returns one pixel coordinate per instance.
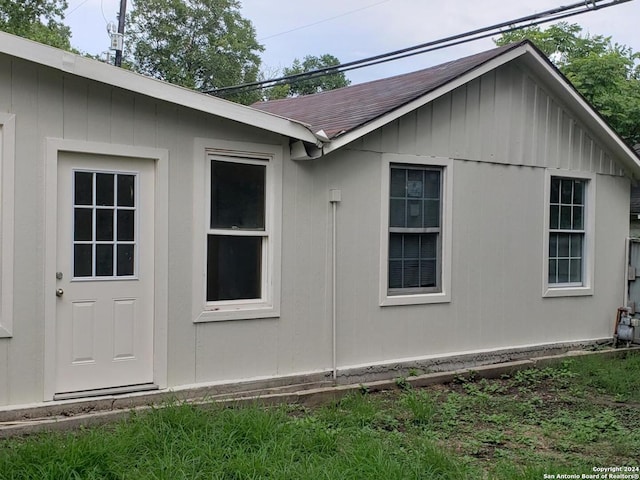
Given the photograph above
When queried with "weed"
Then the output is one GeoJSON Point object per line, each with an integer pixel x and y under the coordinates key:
{"type": "Point", "coordinates": [403, 384]}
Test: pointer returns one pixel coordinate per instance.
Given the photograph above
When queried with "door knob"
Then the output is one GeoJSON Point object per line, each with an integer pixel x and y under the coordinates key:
{"type": "Point", "coordinates": [59, 292]}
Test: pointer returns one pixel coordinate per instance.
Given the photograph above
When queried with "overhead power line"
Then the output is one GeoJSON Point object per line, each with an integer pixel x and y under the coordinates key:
{"type": "Point", "coordinates": [504, 27]}
{"type": "Point", "coordinates": [323, 20]}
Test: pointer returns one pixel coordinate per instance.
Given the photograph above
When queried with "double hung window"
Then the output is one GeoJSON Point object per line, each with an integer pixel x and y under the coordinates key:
{"type": "Point", "coordinates": [566, 231]}
{"type": "Point", "coordinates": [237, 235]}
{"type": "Point", "coordinates": [415, 230]}
{"type": "Point", "coordinates": [569, 234]}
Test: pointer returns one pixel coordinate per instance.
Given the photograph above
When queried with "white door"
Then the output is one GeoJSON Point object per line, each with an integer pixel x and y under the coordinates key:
{"type": "Point", "coordinates": [104, 272]}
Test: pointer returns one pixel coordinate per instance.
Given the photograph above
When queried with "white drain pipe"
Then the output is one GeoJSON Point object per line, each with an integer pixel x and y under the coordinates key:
{"type": "Point", "coordinates": [334, 199]}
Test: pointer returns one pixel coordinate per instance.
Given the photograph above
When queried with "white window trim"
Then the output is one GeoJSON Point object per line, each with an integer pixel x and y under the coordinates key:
{"type": "Point", "coordinates": [269, 305]}
{"type": "Point", "coordinates": [443, 296]}
{"type": "Point", "coordinates": [7, 163]}
{"type": "Point", "coordinates": [588, 249]}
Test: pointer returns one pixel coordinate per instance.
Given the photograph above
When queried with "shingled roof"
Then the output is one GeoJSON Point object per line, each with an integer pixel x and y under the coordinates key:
{"type": "Point", "coordinates": [342, 110]}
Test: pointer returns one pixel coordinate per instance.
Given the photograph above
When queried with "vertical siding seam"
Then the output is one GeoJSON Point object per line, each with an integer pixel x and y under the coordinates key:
{"type": "Point", "coordinates": [534, 133]}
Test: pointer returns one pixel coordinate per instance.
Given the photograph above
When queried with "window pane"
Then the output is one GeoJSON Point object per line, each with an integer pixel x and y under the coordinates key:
{"type": "Point", "coordinates": [553, 266]}
{"type": "Point", "coordinates": [555, 190]}
{"type": "Point", "coordinates": [126, 225]}
{"type": "Point", "coordinates": [104, 224]}
{"type": "Point", "coordinates": [432, 213]}
{"type": "Point", "coordinates": [414, 183]}
{"type": "Point", "coordinates": [82, 224]}
{"type": "Point", "coordinates": [104, 188]}
{"type": "Point", "coordinates": [398, 182]}
{"type": "Point", "coordinates": [104, 260]}
{"type": "Point", "coordinates": [563, 245]}
{"type": "Point", "coordinates": [414, 213]}
{"type": "Point", "coordinates": [432, 184]}
{"type": "Point", "coordinates": [83, 188]}
{"type": "Point", "coordinates": [395, 245]}
{"type": "Point", "coordinates": [576, 245]}
{"type": "Point", "coordinates": [411, 246]}
{"type": "Point", "coordinates": [237, 195]}
{"type": "Point", "coordinates": [82, 261]}
{"type": "Point", "coordinates": [428, 245]}
{"type": "Point", "coordinates": [234, 267]}
{"type": "Point", "coordinates": [566, 194]}
{"type": "Point", "coordinates": [395, 274]}
{"type": "Point", "coordinates": [125, 260]}
{"type": "Point", "coordinates": [126, 193]}
{"type": "Point", "coordinates": [563, 271]}
{"type": "Point", "coordinates": [428, 273]}
{"type": "Point", "coordinates": [411, 274]}
{"type": "Point", "coordinates": [578, 193]}
{"type": "Point", "coordinates": [565, 217]}
{"type": "Point", "coordinates": [577, 218]}
{"type": "Point", "coordinates": [553, 245]}
{"type": "Point", "coordinates": [397, 213]}
{"type": "Point", "coordinates": [554, 215]}
{"type": "Point", "coordinates": [575, 271]}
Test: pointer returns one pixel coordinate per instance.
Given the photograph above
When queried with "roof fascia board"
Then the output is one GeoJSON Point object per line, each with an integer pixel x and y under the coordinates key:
{"type": "Point", "coordinates": [93, 70]}
{"type": "Point", "coordinates": [570, 97]}
{"type": "Point", "coordinates": [423, 100]}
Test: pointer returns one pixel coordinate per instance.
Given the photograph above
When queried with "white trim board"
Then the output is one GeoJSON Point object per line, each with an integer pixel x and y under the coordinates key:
{"type": "Point", "coordinates": [161, 157]}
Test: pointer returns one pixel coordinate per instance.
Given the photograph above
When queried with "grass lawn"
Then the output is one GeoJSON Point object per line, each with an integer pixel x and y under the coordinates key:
{"type": "Point", "coordinates": [564, 419]}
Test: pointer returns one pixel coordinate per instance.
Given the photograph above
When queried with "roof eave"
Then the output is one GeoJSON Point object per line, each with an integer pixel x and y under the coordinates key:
{"type": "Point", "coordinates": [579, 106]}
{"type": "Point", "coordinates": [94, 70]}
{"type": "Point", "coordinates": [486, 67]}
{"type": "Point", "coordinates": [541, 66]}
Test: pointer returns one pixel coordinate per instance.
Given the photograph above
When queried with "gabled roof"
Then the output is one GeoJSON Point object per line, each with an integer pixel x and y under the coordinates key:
{"type": "Point", "coordinates": [133, 82]}
{"type": "Point", "coordinates": [342, 110]}
{"type": "Point", "coordinates": [349, 113]}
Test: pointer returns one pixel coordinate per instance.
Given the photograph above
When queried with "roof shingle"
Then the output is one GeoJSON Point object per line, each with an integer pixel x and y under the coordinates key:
{"type": "Point", "coordinates": [344, 109]}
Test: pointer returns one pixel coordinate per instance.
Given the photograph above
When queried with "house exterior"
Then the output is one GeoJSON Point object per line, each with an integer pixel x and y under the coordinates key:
{"type": "Point", "coordinates": [155, 237]}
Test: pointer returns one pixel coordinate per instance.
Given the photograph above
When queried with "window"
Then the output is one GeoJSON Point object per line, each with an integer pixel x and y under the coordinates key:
{"type": "Point", "coordinates": [237, 233]}
{"type": "Point", "coordinates": [104, 233]}
{"type": "Point", "coordinates": [414, 230]}
{"type": "Point", "coordinates": [237, 199]}
{"type": "Point", "coordinates": [569, 237]}
{"type": "Point", "coordinates": [566, 231]}
{"type": "Point", "coordinates": [415, 241]}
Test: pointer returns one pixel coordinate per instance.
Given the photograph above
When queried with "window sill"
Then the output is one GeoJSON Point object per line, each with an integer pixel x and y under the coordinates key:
{"type": "Point", "coordinates": [238, 312]}
{"type": "Point", "coordinates": [551, 292]}
{"type": "Point", "coordinates": [392, 300]}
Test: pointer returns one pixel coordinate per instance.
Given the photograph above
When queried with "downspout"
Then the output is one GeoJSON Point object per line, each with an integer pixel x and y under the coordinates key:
{"type": "Point", "coordinates": [334, 199]}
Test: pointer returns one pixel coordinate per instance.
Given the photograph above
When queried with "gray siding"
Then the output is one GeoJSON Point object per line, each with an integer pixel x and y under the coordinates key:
{"type": "Point", "coordinates": [502, 117]}
{"type": "Point", "coordinates": [502, 129]}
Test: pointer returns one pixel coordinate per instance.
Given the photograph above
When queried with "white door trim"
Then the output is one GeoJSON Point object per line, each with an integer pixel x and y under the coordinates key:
{"type": "Point", "coordinates": [161, 157]}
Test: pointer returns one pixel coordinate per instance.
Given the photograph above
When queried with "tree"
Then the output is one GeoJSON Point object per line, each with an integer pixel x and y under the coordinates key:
{"type": "Point", "coordinates": [312, 85]}
{"type": "Point", "coordinates": [199, 44]}
{"type": "Point", "coordinates": [39, 20]}
{"type": "Point", "coordinates": [606, 74]}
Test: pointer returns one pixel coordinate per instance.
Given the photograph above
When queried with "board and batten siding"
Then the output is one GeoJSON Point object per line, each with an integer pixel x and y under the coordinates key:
{"type": "Point", "coordinates": [503, 132]}
{"type": "Point", "coordinates": [505, 117]}
{"type": "Point", "coordinates": [51, 104]}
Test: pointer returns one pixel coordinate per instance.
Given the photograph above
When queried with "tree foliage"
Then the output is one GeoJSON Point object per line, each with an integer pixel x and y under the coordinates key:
{"type": "Point", "coordinates": [605, 73]}
{"type": "Point", "coordinates": [311, 85]}
{"type": "Point", "coordinates": [199, 44]}
{"type": "Point", "coordinates": [39, 20]}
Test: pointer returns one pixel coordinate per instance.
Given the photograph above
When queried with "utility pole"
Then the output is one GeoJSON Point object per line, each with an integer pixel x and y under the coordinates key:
{"type": "Point", "coordinates": [121, 17]}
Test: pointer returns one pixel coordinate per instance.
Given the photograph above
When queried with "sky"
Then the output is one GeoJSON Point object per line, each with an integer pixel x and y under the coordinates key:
{"type": "Point", "coordinates": [355, 29]}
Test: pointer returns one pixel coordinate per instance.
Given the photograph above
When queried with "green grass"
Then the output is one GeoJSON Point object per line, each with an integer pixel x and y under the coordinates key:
{"type": "Point", "coordinates": [562, 419]}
